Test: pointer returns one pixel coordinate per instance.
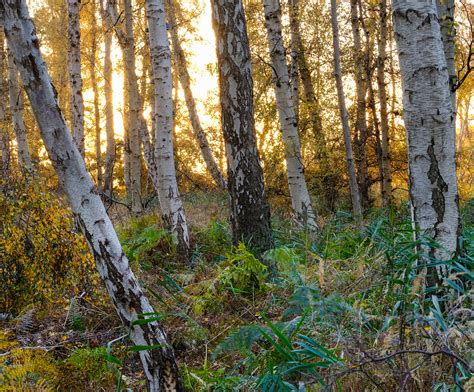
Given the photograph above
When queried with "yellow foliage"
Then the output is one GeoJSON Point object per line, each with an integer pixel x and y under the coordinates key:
{"type": "Point", "coordinates": [40, 254]}
{"type": "Point", "coordinates": [27, 370]}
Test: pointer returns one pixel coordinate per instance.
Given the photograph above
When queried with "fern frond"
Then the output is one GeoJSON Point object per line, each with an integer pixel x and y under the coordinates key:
{"type": "Point", "coordinates": [239, 341]}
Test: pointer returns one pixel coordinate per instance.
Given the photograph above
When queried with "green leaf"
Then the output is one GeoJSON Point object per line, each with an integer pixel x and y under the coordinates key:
{"type": "Point", "coordinates": [112, 359]}
{"type": "Point", "coordinates": [318, 348]}
{"type": "Point", "coordinates": [455, 286]}
{"type": "Point", "coordinates": [147, 320]}
{"type": "Point", "coordinates": [278, 332]}
{"type": "Point", "coordinates": [285, 353]}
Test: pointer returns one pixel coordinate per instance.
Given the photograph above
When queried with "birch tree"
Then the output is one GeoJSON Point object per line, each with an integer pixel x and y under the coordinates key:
{"type": "Point", "coordinates": [361, 107]}
{"type": "Point", "coordinates": [4, 135]}
{"type": "Point", "coordinates": [158, 362]}
{"type": "Point", "coordinates": [300, 198]}
{"type": "Point", "coordinates": [16, 107]}
{"type": "Point", "coordinates": [429, 121]}
{"type": "Point", "coordinates": [354, 189]}
{"type": "Point", "coordinates": [295, 39]}
{"type": "Point", "coordinates": [250, 213]}
{"type": "Point", "coordinates": [171, 205]}
{"type": "Point", "coordinates": [95, 90]}
{"type": "Point", "coordinates": [109, 162]}
{"type": "Point", "coordinates": [75, 78]}
{"type": "Point", "coordinates": [134, 110]}
{"type": "Point", "coordinates": [185, 81]}
{"type": "Point", "coordinates": [386, 183]}
{"type": "Point", "coordinates": [132, 141]}
{"type": "Point", "coordinates": [298, 52]}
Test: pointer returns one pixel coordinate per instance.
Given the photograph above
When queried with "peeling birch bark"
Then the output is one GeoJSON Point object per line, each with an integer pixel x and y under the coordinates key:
{"type": "Point", "coordinates": [354, 188]}
{"type": "Point", "coordinates": [172, 208]}
{"type": "Point", "coordinates": [124, 289]}
{"type": "Point", "coordinates": [16, 107]}
{"type": "Point", "coordinates": [75, 78]}
{"type": "Point", "coordinates": [300, 198]}
{"type": "Point", "coordinates": [185, 81]}
{"type": "Point", "coordinates": [250, 213]}
{"type": "Point", "coordinates": [429, 121]}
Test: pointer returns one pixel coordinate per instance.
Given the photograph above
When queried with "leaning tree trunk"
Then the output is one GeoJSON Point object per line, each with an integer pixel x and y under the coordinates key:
{"type": "Point", "coordinates": [250, 213]}
{"type": "Point", "coordinates": [354, 189]}
{"type": "Point", "coordinates": [382, 92]}
{"type": "Point", "coordinates": [429, 120]}
{"type": "Point", "coordinates": [185, 80]}
{"type": "Point", "coordinates": [361, 108]}
{"type": "Point", "coordinates": [131, 303]}
{"type": "Point", "coordinates": [16, 107]}
{"type": "Point", "coordinates": [171, 205]}
{"type": "Point", "coordinates": [294, 167]}
{"type": "Point", "coordinates": [75, 78]}
{"type": "Point", "coordinates": [4, 135]}
{"type": "Point", "coordinates": [109, 110]}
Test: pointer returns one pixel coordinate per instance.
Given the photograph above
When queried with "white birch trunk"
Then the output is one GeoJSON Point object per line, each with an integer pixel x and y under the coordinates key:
{"type": "Point", "coordinates": [126, 138]}
{"type": "Point", "coordinates": [16, 107]}
{"type": "Point", "coordinates": [132, 101]}
{"type": "Point", "coordinates": [171, 205]}
{"type": "Point", "coordinates": [429, 121]}
{"type": "Point", "coordinates": [75, 78]}
{"type": "Point", "coordinates": [4, 135]}
{"type": "Point", "coordinates": [134, 111]}
{"type": "Point", "coordinates": [185, 81]}
{"type": "Point", "coordinates": [354, 188]}
{"type": "Point", "coordinates": [95, 90]}
{"type": "Point", "coordinates": [159, 364]}
{"type": "Point", "coordinates": [109, 109]}
{"type": "Point", "coordinates": [286, 112]}
{"type": "Point", "coordinates": [386, 184]}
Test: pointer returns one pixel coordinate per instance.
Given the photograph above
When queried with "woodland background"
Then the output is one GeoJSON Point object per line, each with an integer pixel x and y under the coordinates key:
{"type": "Point", "coordinates": [346, 309]}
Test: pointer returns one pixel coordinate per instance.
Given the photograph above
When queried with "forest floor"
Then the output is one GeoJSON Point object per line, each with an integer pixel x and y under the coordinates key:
{"type": "Point", "coordinates": [345, 312]}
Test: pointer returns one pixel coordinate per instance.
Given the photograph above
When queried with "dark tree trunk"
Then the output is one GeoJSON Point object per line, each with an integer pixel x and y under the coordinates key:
{"type": "Point", "coordinates": [250, 212]}
{"type": "Point", "coordinates": [361, 104]}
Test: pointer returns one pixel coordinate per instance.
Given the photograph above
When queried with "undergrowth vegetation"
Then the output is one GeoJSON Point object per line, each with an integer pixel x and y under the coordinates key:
{"type": "Point", "coordinates": [42, 257]}
{"type": "Point", "coordinates": [341, 310]}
